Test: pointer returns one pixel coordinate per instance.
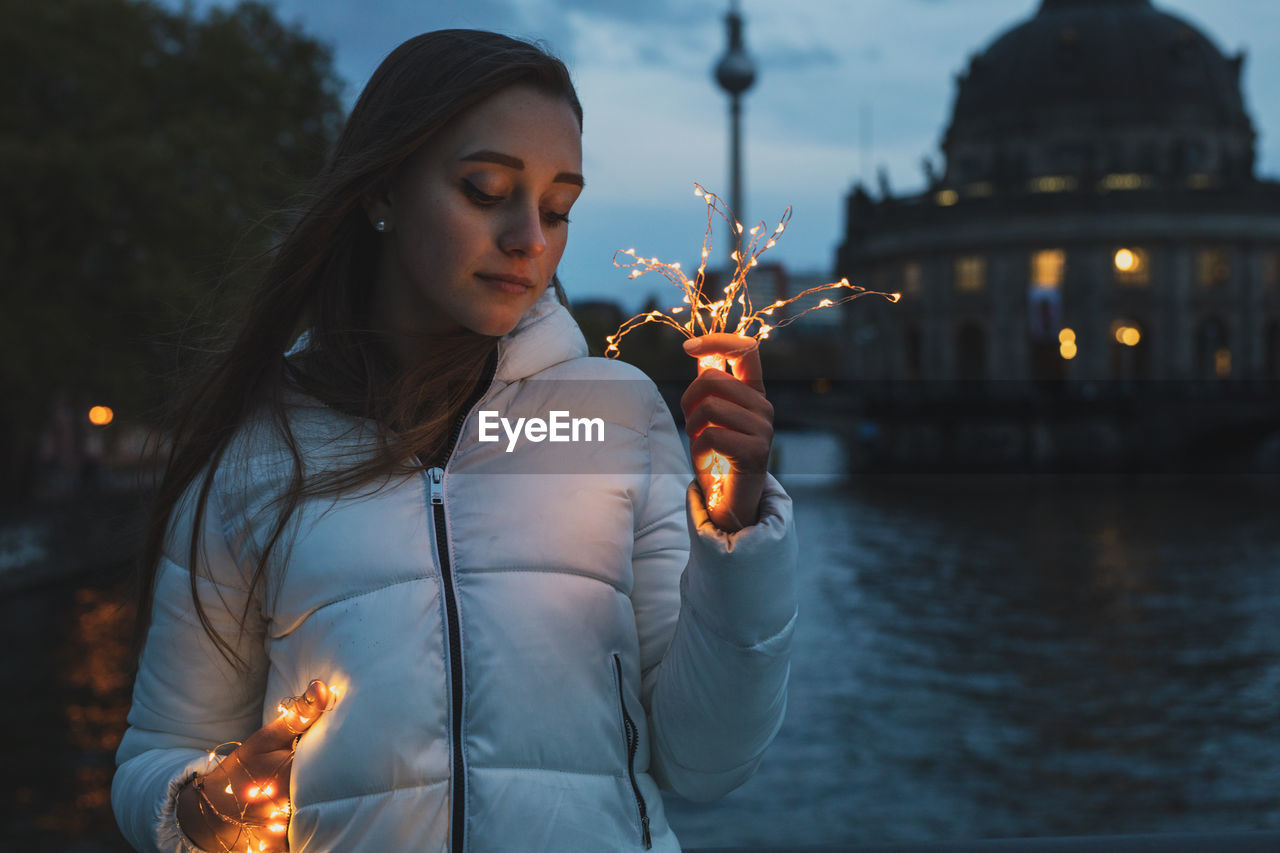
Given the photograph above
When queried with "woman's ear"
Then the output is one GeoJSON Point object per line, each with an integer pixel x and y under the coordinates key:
{"type": "Point", "coordinates": [377, 206]}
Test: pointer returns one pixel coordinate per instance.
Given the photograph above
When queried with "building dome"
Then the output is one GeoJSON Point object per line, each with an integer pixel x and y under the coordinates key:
{"type": "Point", "coordinates": [1086, 88]}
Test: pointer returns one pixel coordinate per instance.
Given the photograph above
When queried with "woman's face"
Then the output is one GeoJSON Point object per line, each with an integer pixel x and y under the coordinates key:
{"type": "Point", "coordinates": [478, 219]}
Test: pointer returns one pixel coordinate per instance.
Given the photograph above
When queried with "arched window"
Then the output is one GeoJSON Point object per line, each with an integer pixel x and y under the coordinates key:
{"type": "Point", "coordinates": [1213, 268]}
{"type": "Point", "coordinates": [911, 279]}
{"type": "Point", "coordinates": [971, 273]}
{"type": "Point", "coordinates": [1213, 352]}
{"type": "Point", "coordinates": [1048, 268]}
{"type": "Point", "coordinates": [971, 352]}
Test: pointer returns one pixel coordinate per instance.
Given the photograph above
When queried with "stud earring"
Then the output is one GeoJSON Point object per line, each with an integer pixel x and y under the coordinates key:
{"type": "Point", "coordinates": [381, 225]}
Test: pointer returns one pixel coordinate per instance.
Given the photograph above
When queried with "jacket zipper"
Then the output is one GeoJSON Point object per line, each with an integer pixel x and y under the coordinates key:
{"type": "Point", "coordinates": [633, 744]}
{"type": "Point", "coordinates": [459, 773]}
{"type": "Point", "coordinates": [435, 478]}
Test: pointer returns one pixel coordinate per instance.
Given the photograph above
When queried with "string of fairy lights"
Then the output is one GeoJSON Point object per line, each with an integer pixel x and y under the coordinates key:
{"type": "Point", "coordinates": [260, 834]}
{"type": "Point", "coordinates": [712, 313]}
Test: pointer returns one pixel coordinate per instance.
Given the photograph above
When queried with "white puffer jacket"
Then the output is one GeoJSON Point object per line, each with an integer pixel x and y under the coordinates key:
{"type": "Point", "coordinates": [531, 646]}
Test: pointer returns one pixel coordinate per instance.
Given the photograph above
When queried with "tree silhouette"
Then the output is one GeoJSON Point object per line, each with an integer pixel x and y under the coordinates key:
{"type": "Point", "coordinates": [139, 152]}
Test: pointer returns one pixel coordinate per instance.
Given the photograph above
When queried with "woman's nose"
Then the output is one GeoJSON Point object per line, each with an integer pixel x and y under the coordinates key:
{"type": "Point", "coordinates": [522, 233]}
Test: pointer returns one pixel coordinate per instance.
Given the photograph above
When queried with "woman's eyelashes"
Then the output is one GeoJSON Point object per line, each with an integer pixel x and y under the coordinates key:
{"type": "Point", "coordinates": [483, 199]}
{"type": "Point", "coordinates": [478, 195]}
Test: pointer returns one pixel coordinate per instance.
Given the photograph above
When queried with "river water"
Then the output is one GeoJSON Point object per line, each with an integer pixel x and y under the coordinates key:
{"type": "Point", "coordinates": [977, 657]}
{"type": "Point", "coordinates": [1010, 656]}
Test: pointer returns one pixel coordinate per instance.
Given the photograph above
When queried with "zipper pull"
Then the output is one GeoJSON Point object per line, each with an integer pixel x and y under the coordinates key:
{"type": "Point", "coordinates": [436, 475]}
{"type": "Point", "coordinates": [645, 838]}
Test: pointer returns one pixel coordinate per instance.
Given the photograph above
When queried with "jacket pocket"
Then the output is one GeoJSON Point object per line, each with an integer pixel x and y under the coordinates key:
{"type": "Point", "coordinates": [631, 738]}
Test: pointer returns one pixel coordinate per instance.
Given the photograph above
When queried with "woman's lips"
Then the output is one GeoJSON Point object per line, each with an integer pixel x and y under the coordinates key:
{"type": "Point", "coordinates": [506, 283]}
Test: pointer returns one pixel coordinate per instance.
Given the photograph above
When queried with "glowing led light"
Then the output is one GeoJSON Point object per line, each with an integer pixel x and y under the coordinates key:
{"type": "Point", "coordinates": [714, 362]}
{"type": "Point", "coordinates": [101, 415]}
{"type": "Point", "coordinates": [1067, 336]}
{"type": "Point", "coordinates": [1068, 350]}
{"type": "Point", "coordinates": [717, 467]}
{"type": "Point", "coordinates": [1126, 260]}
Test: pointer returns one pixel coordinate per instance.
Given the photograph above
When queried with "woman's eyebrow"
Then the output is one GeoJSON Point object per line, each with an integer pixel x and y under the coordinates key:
{"type": "Point", "coordinates": [487, 156]}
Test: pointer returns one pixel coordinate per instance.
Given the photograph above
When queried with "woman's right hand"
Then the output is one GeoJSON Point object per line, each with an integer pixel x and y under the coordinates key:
{"type": "Point", "coordinates": [243, 803]}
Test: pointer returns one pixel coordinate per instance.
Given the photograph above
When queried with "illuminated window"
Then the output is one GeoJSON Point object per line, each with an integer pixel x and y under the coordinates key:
{"type": "Point", "coordinates": [1067, 346]}
{"type": "Point", "coordinates": [1125, 181]}
{"type": "Point", "coordinates": [1213, 349]}
{"type": "Point", "coordinates": [1213, 268]}
{"type": "Point", "coordinates": [1126, 333]}
{"type": "Point", "coordinates": [1132, 266]}
{"type": "Point", "coordinates": [1128, 347]}
{"type": "Point", "coordinates": [1053, 184]}
{"type": "Point", "coordinates": [911, 278]}
{"type": "Point", "coordinates": [1222, 363]}
{"type": "Point", "coordinates": [971, 273]}
{"type": "Point", "coordinates": [1047, 268]}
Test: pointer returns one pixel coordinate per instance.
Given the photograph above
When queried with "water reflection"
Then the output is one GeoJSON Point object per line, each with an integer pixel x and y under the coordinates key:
{"type": "Point", "coordinates": [984, 657]}
{"type": "Point", "coordinates": [976, 658]}
{"type": "Point", "coordinates": [67, 656]}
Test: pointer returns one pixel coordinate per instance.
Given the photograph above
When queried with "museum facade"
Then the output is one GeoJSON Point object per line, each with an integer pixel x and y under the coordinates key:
{"type": "Point", "coordinates": [1098, 217]}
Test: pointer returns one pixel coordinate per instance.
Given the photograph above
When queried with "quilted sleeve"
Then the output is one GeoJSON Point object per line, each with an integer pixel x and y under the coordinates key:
{"type": "Point", "coordinates": [187, 698]}
{"type": "Point", "coordinates": [715, 613]}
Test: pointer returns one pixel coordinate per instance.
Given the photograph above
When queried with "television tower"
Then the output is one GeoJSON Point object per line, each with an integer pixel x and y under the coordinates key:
{"type": "Point", "coordinates": [735, 72]}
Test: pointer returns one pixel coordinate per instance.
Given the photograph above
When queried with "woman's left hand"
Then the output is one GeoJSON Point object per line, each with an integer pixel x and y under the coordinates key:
{"type": "Point", "coordinates": [726, 414]}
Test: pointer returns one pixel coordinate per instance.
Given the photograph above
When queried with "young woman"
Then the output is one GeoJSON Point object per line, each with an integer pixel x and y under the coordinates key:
{"type": "Point", "coordinates": [530, 637]}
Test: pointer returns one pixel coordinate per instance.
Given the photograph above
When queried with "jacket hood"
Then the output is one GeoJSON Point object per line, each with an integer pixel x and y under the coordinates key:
{"type": "Point", "coordinates": [545, 336]}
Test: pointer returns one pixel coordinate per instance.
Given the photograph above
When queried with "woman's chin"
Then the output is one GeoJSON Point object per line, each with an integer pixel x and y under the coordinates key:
{"type": "Point", "coordinates": [496, 325]}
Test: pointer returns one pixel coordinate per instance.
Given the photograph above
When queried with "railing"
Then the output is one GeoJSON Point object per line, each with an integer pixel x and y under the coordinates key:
{"type": "Point", "coordinates": [1209, 842]}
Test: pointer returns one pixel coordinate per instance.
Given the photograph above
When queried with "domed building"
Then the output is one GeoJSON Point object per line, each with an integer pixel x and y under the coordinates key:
{"type": "Point", "coordinates": [1098, 221]}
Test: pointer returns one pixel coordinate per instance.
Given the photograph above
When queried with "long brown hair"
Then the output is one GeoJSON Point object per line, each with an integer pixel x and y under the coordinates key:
{"type": "Point", "coordinates": [319, 280]}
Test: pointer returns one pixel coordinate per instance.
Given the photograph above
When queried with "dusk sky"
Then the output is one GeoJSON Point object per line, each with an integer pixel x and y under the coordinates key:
{"type": "Point", "coordinates": [843, 88]}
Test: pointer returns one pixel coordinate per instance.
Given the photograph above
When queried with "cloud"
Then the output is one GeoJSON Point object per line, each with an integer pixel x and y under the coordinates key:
{"type": "Point", "coordinates": [667, 13]}
{"type": "Point", "coordinates": [786, 58]}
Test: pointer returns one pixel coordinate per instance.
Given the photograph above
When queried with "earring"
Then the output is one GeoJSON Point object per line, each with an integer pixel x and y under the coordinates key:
{"type": "Point", "coordinates": [381, 225]}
